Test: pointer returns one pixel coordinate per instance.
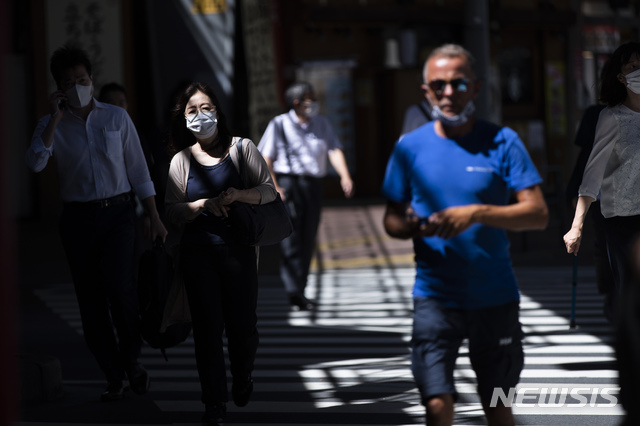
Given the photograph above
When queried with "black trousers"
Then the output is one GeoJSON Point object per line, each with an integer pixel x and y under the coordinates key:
{"type": "Point", "coordinates": [304, 202]}
{"type": "Point", "coordinates": [222, 287]}
{"type": "Point", "coordinates": [622, 233]}
{"type": "Point", "coordinates": [604, 275]}
{"type": "Point", "coordinates": [99, 244]}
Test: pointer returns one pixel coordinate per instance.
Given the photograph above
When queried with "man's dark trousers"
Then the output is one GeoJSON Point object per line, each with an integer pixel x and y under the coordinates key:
{"type": "Point", "coordinates": [304, 202]}
{"type": "Point", "coordinates": [99, 243]}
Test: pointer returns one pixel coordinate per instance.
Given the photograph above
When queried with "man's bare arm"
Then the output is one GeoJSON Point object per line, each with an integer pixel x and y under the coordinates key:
{"type": "Point", "coordinates": [282, 192]}
{"type": "Point", "coordinates": [528, 212]}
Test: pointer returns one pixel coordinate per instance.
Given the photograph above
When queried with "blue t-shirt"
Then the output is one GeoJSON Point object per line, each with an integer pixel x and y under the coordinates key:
{"type": "Point", "coordinates": [472, 270]}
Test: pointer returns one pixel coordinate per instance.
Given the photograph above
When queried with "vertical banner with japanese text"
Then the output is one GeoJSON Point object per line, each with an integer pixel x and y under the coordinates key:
{"type": "Point", "coordinates": [93, 25]}
{"type": "Point", "coordinates": [261, 66]}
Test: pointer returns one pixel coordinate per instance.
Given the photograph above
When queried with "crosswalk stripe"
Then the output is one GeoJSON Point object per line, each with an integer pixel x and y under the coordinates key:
{"type": "Point", "coordinates": [351, 355]}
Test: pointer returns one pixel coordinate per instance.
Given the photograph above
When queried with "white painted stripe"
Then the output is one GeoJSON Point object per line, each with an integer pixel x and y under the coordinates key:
{"type": "Point", "coordinates": [343, 386]}
{"type": "Point", "coordinates": [558, 374]}
{"type": "Point", "coordinates": [570, 349]}
{"type": "Point", "coordinates": [476, 409]}
{"type": "Point", "coordinates": [381, 302]}
{"type": "Point", "coordinates": [310, 408]}
{"type": "Point", "coordinates": [189, 362]}
{"type": "Point", "coordinates": [307, 350]}
{"type": "Point", "coordinates": [564, 339]}
{"type": "Point", "coordinates": [569, 411]}
{"type": "Point", "coordinates": [376, 406]}
{"type": "Point", "coordinates": [387, 322]}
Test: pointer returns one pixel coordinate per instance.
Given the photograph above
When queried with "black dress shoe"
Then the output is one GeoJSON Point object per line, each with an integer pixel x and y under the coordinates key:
{"type": "Point", "coordinates": [241, 391]}
{"type": "Point", "coordinates": [214, 414]}
{"type": "Point", "coordinates": [114, 392]}
{"type": "Point", "coordinates": [299, 302]}
{"type": "Point", "coordinates": [138, 379]}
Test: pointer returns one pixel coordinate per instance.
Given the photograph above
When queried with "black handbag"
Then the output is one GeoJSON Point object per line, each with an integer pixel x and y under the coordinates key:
{"type": "Point", "coordinates": [165, 320]}
{"type": "Point", "coordinates": [257, 224]}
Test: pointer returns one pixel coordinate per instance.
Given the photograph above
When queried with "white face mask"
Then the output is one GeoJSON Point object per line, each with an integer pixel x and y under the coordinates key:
{"type": "Point", "coordinates": [633, 81]}
{"type": "Point", "coordinates": [311, 109]}
{"type": "Point", "coordinates": [202, 125]}
{"type": "Point", "coordinates": [79, 96]}
{"type": "Point", "coordinates": [456, 120]}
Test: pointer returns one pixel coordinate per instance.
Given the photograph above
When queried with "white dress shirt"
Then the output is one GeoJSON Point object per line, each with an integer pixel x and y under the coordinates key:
{"type": "Point", "coordinates": [96, 159]}
{"type": "Point", "coordinates": [613, 168]}
{"type": "Point", "coordinates": [306, 147]}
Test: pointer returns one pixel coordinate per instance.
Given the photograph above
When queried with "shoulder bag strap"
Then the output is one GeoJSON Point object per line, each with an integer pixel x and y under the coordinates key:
{"type": "Point", "coordinates": [286, 143]}
{"type": "Point", "coordinates": [241, 162]}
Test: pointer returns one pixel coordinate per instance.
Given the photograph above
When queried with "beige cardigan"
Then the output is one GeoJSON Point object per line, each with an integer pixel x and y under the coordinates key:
{"type": "Point", "coordinates": [256, 175]}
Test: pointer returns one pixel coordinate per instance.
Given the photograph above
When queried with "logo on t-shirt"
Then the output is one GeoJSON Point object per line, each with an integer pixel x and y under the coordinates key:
{"type": "Point", "coordinates": [479, 169]}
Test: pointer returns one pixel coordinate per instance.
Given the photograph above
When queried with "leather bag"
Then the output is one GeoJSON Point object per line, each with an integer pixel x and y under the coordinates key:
{"type": "Point", "coordinates": [257, 224]}
{"type": "Point", "coordinates": [165, 319]}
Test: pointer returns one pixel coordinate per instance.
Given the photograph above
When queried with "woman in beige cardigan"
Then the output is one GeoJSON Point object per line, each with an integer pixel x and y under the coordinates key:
{"type": "Point", "coordinates": [221, 276]}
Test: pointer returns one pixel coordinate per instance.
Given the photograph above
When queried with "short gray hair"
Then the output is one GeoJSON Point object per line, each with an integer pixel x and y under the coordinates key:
{"type": "Point", "coordinates": [296, 92]}
{"type": "Point", "coordinates": [449, 51]}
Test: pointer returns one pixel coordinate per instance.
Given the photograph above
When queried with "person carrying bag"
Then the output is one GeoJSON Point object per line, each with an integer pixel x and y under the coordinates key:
{"type": "Point", "coordinates": [220, 272]}
{"type": "Point", "coordinates": [257, 224]}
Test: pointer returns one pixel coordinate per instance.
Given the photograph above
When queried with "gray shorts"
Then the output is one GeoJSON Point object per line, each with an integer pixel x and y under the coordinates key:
{"type": "Point", "coordinates": [495, 346]}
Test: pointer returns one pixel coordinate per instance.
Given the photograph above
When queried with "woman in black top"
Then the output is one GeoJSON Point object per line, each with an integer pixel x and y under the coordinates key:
{"type": "Point", "coordinates": [220, 275]}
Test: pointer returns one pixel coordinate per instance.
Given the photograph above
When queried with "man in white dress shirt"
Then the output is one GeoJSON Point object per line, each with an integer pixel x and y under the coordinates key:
{"type": "Point", "coordinates": [296, 146]}
{"type": "Point", "coordinates": [99, 161]}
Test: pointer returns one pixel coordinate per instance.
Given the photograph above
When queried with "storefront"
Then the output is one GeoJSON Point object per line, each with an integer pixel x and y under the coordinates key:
{"type": "Point", "coordinates": [543, 59]}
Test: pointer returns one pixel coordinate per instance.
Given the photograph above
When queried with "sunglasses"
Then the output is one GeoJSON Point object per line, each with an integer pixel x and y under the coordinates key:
{"type": "Point", "coordinates": [457, 84]}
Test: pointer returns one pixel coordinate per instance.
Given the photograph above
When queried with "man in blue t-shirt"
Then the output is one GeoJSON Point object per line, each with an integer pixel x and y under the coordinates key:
{"type": "Point", "coordinates": [448, 185]}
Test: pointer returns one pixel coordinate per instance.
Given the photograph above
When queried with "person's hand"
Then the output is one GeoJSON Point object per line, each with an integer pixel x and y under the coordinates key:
{"type": "Point", "coordinates": [229, 196]}
{"type": "Point", "coordinates": [419, 227]}
{"type": "Point", "coordinates": [347, 187]}
{"type": "Point", "coordinates": [154, 228]}
{"type": "Point", "coordinates": [55, 100]}
{"type": "Point", "coordinates": [452, 221]}
{"type": "Point", "coordinates": [282, 192]}
{"type": "Point", "coordinates": [216, 206]}
{"type": "Point", "coordinates": [572, 240]}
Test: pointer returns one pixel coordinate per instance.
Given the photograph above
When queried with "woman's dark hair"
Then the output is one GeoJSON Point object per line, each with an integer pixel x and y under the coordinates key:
{"type": "Point", "coordinates": [612, 92]}
{"type": "Point", "coordinates": [179, 136]}
{"type": "Point", "coordinates": [68, 56]}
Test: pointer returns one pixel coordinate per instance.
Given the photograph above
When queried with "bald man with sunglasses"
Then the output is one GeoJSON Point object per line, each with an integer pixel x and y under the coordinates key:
{"type": "Point", "coordinates": [448, 184]}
